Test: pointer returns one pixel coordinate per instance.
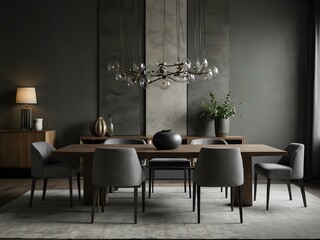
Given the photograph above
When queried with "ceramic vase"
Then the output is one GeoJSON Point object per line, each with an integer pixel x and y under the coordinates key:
{"type": "Point", "coordinates": [167, 139]}
{"type": "Point", "coordinates": [37, 122]}
{"type": "Point", "coordinates": [222, 126]}
{"type": "Point", "coordinates": [109, 126]}
{"type": "Point", "coordinates": [99, 127]}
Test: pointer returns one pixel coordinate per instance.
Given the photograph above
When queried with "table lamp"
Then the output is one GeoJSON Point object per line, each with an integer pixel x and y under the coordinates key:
{"type": "Point", "coordinates": [26, 95]}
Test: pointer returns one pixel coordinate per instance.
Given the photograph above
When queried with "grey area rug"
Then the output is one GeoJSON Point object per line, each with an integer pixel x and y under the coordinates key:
{"type": "Point", "coordinates": [168, 215]}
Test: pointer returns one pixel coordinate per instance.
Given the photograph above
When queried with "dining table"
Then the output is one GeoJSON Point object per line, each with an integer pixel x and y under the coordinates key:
{"type": "Point", "coordinates": [148, 151]}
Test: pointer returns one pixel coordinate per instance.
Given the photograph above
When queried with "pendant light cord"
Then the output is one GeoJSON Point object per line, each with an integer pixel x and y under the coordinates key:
{"type": "Point", "coordinates": [132, 29]}
{"type": "Point", "coordinates": [164, 28]}
{"type": "Point", "coordinates": [204, 26]}
{"type": "Point", "coordinates": [121, 33]}
{"type": "Point", "coordinates": [177, 28]}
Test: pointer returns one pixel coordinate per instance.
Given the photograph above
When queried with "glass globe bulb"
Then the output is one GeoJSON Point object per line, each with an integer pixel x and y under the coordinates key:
{"type": "Point", "coordinates": [186, 62]}
{"type": "Point", "coordinates": [215, 71]}
{"type": "Point", "coordinates": [164, 85]}
{"type": "Point", "coordinates": [191, 77]}
{"type": "Point", "coordinates": [204, 63]}
{"type": "Point", "coordinates": [138, 68]}
{"type": "Point", "coordinates": [148, 72]}
{"type": "Point", "coordinates": [119, 76]}
{"type": "Point", "coordinates": [143, 82]}
{"type": "Point", "coordinates": [209, 73]}
{"type": "Point", "coordinates": [113, 66]}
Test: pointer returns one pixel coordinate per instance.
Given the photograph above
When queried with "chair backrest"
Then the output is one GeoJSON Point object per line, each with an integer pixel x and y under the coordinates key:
{"type": "Point", "coordinates": [204, 141]}
{"type": "Point", "coordinates": [116, 167]}
{"type": "Point", "coordinates": [40, 156]}
{"type": "Point", "coordinates": [219, 167]}
{"type": "Point", "coordinates": [124, 141]}
{"type": "Point", "coordinates": [294, 159]}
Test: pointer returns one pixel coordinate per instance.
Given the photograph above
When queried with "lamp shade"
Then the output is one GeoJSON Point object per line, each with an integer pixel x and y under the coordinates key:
{"type": "Point", "coordinates": [26, 95]}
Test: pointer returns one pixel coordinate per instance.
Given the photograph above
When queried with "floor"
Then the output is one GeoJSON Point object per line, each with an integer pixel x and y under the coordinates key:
{"type": "Point", "coordinates": [11, 188]}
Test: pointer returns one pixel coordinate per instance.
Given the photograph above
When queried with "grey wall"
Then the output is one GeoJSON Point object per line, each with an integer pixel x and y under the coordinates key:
{"type": "Point", "coordinates": [268, 42]}
{"type": "Point", "coordinates": [125, 104]}
{"type": "Point", "coordinates": [53, 45]}
{"type": "Point", "coordinates": [216, 50]}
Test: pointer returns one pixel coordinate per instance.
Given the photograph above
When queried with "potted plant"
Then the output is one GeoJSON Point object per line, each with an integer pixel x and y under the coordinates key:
{"type": "Point", "coordinates": [220, 111]}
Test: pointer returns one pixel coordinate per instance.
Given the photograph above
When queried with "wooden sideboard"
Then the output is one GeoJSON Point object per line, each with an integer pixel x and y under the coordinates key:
{"type": "Point", "coordinates": [148, 139]}
{"type": "Point", "coordinates": [15, 146]}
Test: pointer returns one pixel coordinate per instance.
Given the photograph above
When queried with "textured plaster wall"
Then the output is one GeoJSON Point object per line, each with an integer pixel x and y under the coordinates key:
{"type": "Point", "coordinates": [165, 109]}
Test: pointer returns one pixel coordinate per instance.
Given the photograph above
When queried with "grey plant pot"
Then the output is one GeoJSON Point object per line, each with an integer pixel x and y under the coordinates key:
{"type": "Point", "coordinates": [222, 127]}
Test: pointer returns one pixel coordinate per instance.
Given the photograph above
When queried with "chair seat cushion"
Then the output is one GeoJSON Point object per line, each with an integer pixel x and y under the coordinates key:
{"type": "Point", "coordinates": [169, 163]}
{"type": "Point", "coordinates": [60, 170]}
{"type": "Point", "coordinates": [273, 170]}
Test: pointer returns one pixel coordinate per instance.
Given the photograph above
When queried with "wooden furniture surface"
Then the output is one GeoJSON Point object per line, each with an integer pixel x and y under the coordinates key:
{"type": "Point", "coordinates": [184, 151]}
{"type": "Point", "coordinates": [148, 139]}
{"type": "Point", "coordinates": [15, 146]}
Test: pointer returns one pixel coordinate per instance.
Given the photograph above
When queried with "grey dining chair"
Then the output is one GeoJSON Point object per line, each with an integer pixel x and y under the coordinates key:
{"type": "Point", "coordinates": [169, 164]}
{"type": "Point", "coordinates": [44, 166]}
{"type": "Point", "coordinates": [218, 167]}
{"type": "Point", "coordinates": [288, 168]}
{"type": "Point", "coordinates": [117, 167]}
{"type": "Point", "coordinates": [127, 141]}
{"type": "Point", "coordinates": [124, 141]}
{"type": "Point", "coordinates": [207, 141]}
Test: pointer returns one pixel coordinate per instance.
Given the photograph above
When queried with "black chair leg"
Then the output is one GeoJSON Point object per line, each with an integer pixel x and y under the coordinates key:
{"type": "Point", "coordinates": [70, 191]}
{"type": "Point", "coordinates": [78, 183]}
{"type": "Point", "coordinates": [150, 181]}
{"type": "Point", "coordinates": [268, 192]}
{"type": "Point", "coordinates": [189, 173]}
{"type": "Point", "coordinates": [94, 202]}
{"type": "Point", "coordinates": [301, 185]}
{"type": "Point", "coordinates": [226, 194]}
{"type": "Point", "coordinates": [240, 203]}
{"type": "Point", "coordinates": [152, 177]}
{"type": "Point", "coordinates": [45, 183]}
{"type": "Point", "coordinates": [232, 198]}
{"type": "Point", "coordinates": [135, 203]}
{"type": "Point", "coordinates": [194, 197]}
{"type": "Point", "coordinates": [102, 197]}
{"type": "Point", "coordinates": [33, 186]}
{"type": "Point", "coordinates": [143, 195]}
{"type": "Point", "coordinates": [255, 187]}
{"type": "Point", "coordinates": [198, 202]}
{"type": "Point", "coordinates": [289, 189]}
{"type": "Point", "coordinates": [185, 179]}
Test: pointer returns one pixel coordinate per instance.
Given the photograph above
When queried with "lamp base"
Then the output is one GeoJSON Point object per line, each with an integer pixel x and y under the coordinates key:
{"type": "Point", "coordinates": [26, 116]}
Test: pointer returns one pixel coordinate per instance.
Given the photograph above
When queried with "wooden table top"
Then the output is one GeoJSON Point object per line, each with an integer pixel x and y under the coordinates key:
{"type": "Point", "coordinates": [184, 151]}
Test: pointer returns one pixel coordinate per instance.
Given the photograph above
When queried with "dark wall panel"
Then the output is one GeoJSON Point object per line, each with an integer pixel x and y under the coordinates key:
{"type": "Point", "coordinates": [216, 50]}
{"type": "Point", "coordinates": [73, 72]}
{"type": "Point", "coordinates": [125, 104]}
{"type": "Point", "coordinates": [23, 57]}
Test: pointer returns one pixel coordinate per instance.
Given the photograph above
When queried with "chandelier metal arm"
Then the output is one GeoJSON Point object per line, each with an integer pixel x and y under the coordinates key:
{"type": "Point", "coordinates": [181, 71]}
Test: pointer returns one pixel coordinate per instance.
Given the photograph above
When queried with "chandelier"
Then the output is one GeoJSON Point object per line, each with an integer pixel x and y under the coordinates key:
{"type": "Point", "coordinates": [181, 71]}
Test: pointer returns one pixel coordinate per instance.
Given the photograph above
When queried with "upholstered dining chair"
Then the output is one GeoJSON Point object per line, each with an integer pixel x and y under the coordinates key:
{"type": "Point", "coordinates": [169, 164]}
{"type": "Point", "coordinates": [44, 166]}
{"type": "Point", "coordinates": [124, 141]}
{"type": "Point", "coordinates": [218, 167]}
{"type": "Point", "coordinates": [117, 167]}
{"type": "Point", "coordinates": [207, 141]}
{"type": "Point", "coordinates": [127, 141]}
{"type": "Point", "coordinates": [288, 168]}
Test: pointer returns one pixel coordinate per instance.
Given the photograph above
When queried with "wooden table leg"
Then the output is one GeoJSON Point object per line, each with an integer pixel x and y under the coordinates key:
{"type": "Point", "coordinates": [87, 183]}
{"type": "Point", "coordinates": [247, 185]}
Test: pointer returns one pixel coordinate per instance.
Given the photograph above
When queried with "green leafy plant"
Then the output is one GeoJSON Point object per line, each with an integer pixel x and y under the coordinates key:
{"type": "Point", "coordinates": [219, 108]}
